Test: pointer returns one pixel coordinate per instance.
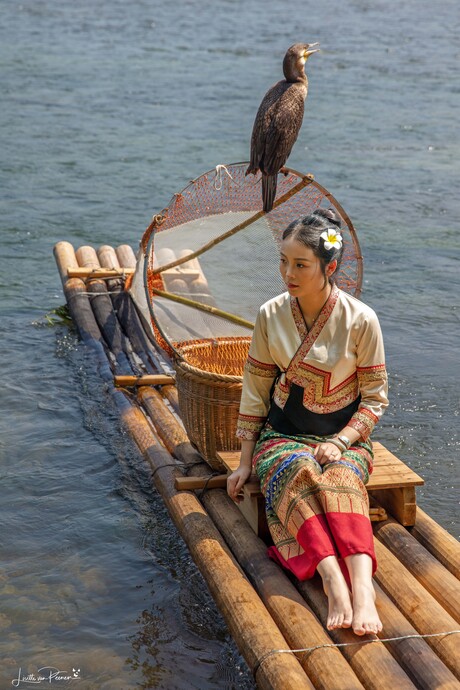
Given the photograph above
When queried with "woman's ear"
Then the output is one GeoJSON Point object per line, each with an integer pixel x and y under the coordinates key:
{"type": "Point", "coordinates": [331, 268]}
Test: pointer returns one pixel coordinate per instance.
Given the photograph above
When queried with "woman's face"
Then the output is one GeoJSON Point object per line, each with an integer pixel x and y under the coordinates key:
{"type": "Point", "coordinates": [300, 269]}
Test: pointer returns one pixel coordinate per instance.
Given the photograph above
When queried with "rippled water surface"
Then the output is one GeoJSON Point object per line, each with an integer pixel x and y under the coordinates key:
{"type": "Point", "coordinates": [107, 109]}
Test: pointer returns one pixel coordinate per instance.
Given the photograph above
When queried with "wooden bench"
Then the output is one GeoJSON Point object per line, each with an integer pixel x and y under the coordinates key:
{"type": "Point", "coordinates": [391, 486]}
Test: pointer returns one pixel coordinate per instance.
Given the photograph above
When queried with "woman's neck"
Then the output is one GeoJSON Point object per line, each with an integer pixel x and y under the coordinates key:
{"type": "Point", "coordinates": [312, 305]}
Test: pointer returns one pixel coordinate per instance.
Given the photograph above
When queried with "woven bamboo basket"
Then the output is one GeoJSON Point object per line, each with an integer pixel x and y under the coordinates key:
{"type": "Point", "coordinates": [209, 377]}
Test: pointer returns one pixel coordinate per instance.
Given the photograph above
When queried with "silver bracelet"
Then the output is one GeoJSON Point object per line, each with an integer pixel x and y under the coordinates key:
{"type": "Point", "coordinates": [345, 440]}
{"type": "Point", "coordinates": [338, 444]}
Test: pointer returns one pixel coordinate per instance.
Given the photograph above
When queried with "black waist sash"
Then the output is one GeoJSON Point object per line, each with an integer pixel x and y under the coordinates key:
{"type": "Point", "coordinates": [295, 419]}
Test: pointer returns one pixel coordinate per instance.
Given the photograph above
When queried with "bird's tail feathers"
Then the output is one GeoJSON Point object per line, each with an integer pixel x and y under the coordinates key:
{"type": "Point", "coordinates": [269, 183]}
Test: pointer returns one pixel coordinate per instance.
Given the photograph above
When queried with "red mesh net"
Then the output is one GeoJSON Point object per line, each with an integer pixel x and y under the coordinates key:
{"type": "Point", "coordinates": [221, 254]}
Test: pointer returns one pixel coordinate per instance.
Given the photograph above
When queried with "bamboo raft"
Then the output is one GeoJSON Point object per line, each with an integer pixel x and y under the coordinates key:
{"type": "Point", "coordinates": [267, 613]}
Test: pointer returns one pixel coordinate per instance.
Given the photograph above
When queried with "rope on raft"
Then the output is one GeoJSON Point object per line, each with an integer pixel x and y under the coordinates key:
{"type": "Point", "coordinates": [309, 650]}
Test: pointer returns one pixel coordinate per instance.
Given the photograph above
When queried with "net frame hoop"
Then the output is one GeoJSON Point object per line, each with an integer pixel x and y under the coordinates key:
{"type": "Point", "coordinates": [359, 256]}
{"type": "Point", "coordinates": [154, 225]}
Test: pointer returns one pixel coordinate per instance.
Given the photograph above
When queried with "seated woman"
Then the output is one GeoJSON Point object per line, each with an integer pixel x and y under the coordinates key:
{"type": "Point", "coordinates": [314, 386]}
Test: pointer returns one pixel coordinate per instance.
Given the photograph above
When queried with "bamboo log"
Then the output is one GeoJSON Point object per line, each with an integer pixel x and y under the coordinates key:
{"type": "Point", "coordinates": [75, 292]}
{"type": "Point", "coordinates": [326, 668]}
{"type": "Point", "coordinates": [248, 620]}
{"type": "Point", "coordinates": [108, 259]}
{"type": "Point", "coordinates": [171, 432]}
{"type": "Point", "coordinates": [126, 256]}
{"type": "Point", "coordinates": [103, 310]}
{"type": "Point", "coordinates": [444, 647]}
{"type": "Point", "coordinates": [282, 607]}
{"type": "Point", "coordinates": [131, 323]}
{"type": "Point", "coordinates": [438, 541]}
{"type": "Point", "coordinates": [373, 663]}
{"type": "Point", "coordinates": [414, 655]}
{"type": "Point", "coordinates": [146, 380]}
{"type": "Point", "coordinates": [250, 624]}
{"type": "Point", "coordinates": [434, 577]}
{"type": "Point", "coordinates": [80, 308]}
{"type": "Point", "coordinates": [64, 255]}
{"type": "Point", "coordinates": [418, 606]}
{"type": "Point", "coordinates": [170, 393]}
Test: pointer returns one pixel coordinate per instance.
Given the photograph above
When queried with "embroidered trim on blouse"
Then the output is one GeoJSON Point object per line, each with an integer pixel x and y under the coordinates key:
{"type": "Point", "coordinates": [249, 427]}
{"type": "Point", "coordinates": [363, 421]}
{"type": "Point", "coordinates": [370, 374]}
{"type": "Point", "coordinates": [309, 337]}
{"type": "Point", "coordinates": [318, 396]}
{"type": "Point", "coordinates": [253, 366]}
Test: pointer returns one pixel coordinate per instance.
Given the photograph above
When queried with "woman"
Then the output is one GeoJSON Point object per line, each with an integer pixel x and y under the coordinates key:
{"type": "Point", "coordinates": [314, 386]}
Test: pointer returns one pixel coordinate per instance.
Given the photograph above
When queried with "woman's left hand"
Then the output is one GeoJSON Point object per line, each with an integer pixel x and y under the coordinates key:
{"type": "Point", "coordinates": [327, 452]}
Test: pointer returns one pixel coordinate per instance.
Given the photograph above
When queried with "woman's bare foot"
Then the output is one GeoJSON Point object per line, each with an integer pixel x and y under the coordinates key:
{"type": "Point", "coordinates": [365, 617]}
{"type": "Point", "coordinates": [340, 612]}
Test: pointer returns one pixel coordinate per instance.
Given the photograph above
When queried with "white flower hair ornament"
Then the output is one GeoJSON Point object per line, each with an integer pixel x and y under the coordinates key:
{"type": "Point", "coordinates": [332, 238]}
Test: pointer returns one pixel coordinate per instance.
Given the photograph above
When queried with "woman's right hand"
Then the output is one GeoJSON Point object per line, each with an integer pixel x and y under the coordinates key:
{"type": "Point", "coordinates": [236, 480]}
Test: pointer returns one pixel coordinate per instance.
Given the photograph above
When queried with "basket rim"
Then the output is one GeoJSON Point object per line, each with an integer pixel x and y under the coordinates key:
{"type": "Point", "coordinates": [208, 375]}
{"type": "Point", "coordinates": [188, 345]}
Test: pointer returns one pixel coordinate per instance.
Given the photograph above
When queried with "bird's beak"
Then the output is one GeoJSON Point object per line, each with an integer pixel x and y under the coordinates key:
{"type": "Point", "coordinates": [311, 49]}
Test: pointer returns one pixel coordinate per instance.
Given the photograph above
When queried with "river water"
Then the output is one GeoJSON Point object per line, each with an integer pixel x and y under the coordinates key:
{"type": "Point", "coordinates": [107, 109]}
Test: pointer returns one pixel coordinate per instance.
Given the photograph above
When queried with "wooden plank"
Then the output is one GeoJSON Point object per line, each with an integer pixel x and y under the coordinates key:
{"type": "Point", "coordinates": [192, 483]}
{"type": "Point", "coordinates": [390, 471]}
{"type": "Point", "coordinates": [400, 502]}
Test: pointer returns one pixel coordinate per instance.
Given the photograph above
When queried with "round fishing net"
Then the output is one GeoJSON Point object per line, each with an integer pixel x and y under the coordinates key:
{"type": "Point", "coordinates": [211, 258]}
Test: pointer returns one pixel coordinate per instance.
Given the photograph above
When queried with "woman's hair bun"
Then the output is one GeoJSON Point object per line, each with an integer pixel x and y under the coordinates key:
{"type": "Point", "coordinates": [329, 214]}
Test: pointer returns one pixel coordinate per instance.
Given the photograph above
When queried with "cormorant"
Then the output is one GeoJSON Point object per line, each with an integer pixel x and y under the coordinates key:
{"type": "Point", "coordinates": [279, 119]}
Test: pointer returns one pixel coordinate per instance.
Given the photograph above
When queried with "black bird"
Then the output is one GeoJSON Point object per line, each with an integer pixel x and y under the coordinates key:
{"type": "Point", "coordinates": [279, 119]}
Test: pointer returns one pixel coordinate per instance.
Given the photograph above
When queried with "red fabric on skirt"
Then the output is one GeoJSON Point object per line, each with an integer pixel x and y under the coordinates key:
{"type": "Point", "coordinates": [313, 511]}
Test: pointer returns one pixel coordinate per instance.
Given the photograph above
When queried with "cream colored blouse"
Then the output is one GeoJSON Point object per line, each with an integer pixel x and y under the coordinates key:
{"type": "Point", "coordinates": [340, 358]}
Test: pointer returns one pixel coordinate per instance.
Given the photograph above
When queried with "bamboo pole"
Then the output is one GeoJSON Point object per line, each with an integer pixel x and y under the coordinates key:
{"type": "Point", "coordinates": [363, 661]}
{"type": "Point", "coordinates": [146, 380]}
{"type": "Point", "coordinates": [201, 306]}
{"type": "Point", "coordinates": [418, 606]}
{"type": "Point", "coordinates": [103, 310]}
{"type": "Point", "coordinates": [437, 541]}
{"type": "Point", "coordinates": [80, 308]}
{"type": "Point", "coordinates": [249, 621]}
{"type": "Point", "coordinates": [64, 255]}
{"type": "Point", "coordinates": [126, 256]}
{"type": "Point", "coordinates": [98, 273]}
{"type": "Point", "coordinates": [326, 668]}
{"type": "Point", "coordinates": [270, 582]}
{"type": "Point", "coordinates": [414, 655]}
{"type": "Point", "coordinates": [129, 318]}
{"type": "Point", "coordinates": [434, 577]}
{"type": "Point", "coordinates": [307, 179]}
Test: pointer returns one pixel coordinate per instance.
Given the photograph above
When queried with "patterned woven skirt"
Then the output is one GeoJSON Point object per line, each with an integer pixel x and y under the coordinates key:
{"type": "Point", "coordinates": [313, 511]}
